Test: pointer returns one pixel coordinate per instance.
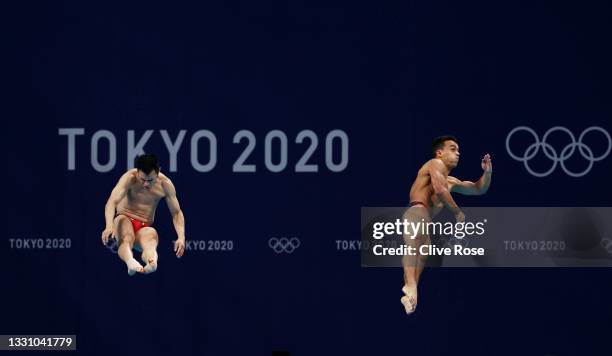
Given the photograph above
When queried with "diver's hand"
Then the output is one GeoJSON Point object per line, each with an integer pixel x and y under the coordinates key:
{"type": "Point", "coordinates": [179, 247]}
{"type": "Point", "coordinates": [486, 164]}
{"type": "Point", "coordinates": [460, 216]}
{"type": "Point", "coordinates": [106, 234]}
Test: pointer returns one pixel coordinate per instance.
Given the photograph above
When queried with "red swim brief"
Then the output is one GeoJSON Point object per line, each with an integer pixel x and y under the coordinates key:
{"type": "Point", "coordinates": [136, 224]}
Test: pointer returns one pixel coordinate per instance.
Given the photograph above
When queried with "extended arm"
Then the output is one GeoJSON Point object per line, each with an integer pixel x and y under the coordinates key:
{"type": "Point", "coordinates": [478, 188]}
{"type": "Point", "coordinates": [116, 196]}
{"type": "Point", "coordinates": [177, 217]}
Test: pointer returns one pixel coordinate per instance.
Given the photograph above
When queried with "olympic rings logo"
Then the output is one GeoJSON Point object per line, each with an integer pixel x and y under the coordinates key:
{"type": "Point", "coordinates": [584, 150]}
{"type": "Point", "coordinates": [607, 244]}
{"type": "Point", "coordinates": [113, 246]}
{"type": "Point", "coordinates": [284, 244]}
{"type": "Point", "coordinates": [452, 242]}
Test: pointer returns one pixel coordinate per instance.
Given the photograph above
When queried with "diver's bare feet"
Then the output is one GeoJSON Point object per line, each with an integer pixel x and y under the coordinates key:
{"type": "Point", "coordinates": [409, 300]}
{"type": "Point", "coordinates": [134, 267]}
{"type": "Point", "coordinates": [150, 267]}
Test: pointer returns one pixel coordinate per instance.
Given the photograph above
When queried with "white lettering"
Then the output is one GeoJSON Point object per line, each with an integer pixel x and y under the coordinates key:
{"type": "Point", "coordinates": [135, 150]}
{"type": "Point", "coordinates": [71, 133]}
{"type": "Point", "coordinates": [112, 151]}
{"type": "Point", "coordinates": [173, 148]}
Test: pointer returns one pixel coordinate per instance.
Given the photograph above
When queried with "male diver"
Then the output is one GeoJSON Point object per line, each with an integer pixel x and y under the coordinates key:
{"type": "Point", "coordinates": [430, 192]}
{"type": "Point", "coordinates": [130, 211]}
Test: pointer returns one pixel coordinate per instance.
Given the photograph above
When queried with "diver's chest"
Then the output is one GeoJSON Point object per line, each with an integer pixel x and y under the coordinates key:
{"type": "Point", "coordinates": [142, 195]}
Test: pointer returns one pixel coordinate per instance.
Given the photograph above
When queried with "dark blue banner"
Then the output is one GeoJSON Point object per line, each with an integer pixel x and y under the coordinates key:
{"type": "Point", "coordinates": [276, 123]}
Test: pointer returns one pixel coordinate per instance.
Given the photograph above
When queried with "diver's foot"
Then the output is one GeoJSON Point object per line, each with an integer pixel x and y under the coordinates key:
{"type": "Point", "coordinates": [134, 267]}
{"type": "Point", "coordinates": [150, 267]}
{"type": "Point", "coordinates": [409, 300]}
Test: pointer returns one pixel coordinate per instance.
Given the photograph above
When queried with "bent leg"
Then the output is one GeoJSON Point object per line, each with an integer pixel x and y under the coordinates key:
{"type": "Point", "coordinates": [148, 240]}
{"type": "Point", "coordinates": [125, 234]}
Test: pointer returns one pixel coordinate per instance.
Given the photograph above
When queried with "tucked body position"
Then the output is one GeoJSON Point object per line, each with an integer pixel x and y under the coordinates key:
{"type": "Point", "coordinates": [130, 213]}
{"type": "Point", "coordinates": [429, 194]}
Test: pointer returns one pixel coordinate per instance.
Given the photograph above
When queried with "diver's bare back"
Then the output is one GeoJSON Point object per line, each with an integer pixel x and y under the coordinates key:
{"type": "Point", "coordinates": [140, 203]}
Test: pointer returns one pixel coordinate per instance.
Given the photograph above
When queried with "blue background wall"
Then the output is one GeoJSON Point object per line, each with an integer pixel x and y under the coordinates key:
{"type": "Point", "coordinates": [392, 76]}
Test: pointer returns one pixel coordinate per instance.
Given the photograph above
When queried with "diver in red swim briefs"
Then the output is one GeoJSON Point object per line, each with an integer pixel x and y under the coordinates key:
{"type": "Point", "coordinates": [130, 212]}
{"type": "Point", "coordinates": [429, 193]}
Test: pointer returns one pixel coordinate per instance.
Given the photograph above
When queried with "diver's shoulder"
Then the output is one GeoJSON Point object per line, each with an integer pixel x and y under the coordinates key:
{"type": "Point", "coordinates": [166, 182]}
{"type": "Point", "coordinates": [131, 175]}
{"type": "Point", "coordinates": [435, 161]}
{"type": "Point", "coordinates": [164, 178]}
{"type": "Point", "coordinates": [432, 162]}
